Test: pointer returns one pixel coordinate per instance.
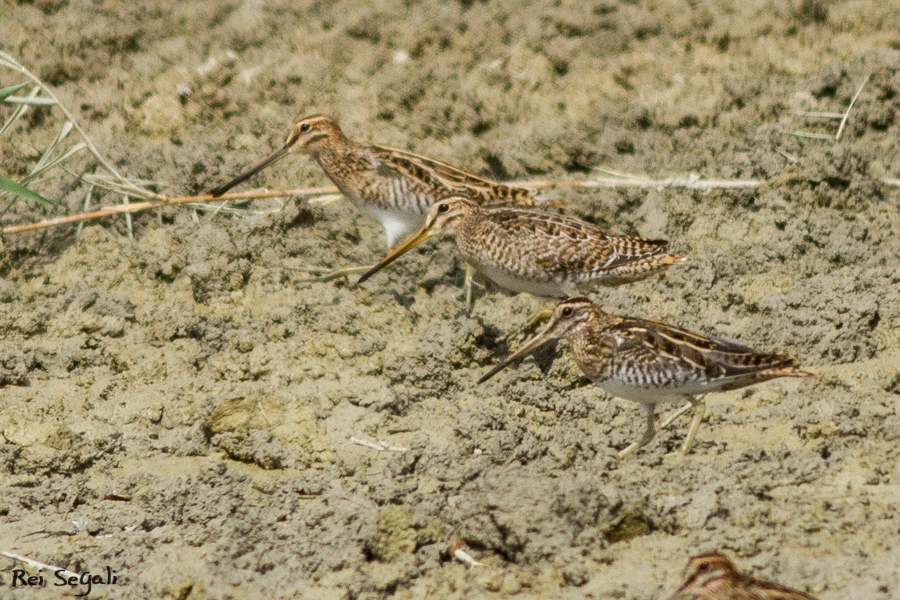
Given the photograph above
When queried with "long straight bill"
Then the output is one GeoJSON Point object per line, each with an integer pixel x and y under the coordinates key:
{"type": "Point", "coordinates": [416, 239]}
{"type": "Point", "coordinates": [275, 156]}
{"type": "Point", "coordinates": [537, 341]}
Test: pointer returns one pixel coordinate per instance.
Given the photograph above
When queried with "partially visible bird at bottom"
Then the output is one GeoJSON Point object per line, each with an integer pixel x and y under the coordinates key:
{"type": "Point", "coordinates": [714, 577]}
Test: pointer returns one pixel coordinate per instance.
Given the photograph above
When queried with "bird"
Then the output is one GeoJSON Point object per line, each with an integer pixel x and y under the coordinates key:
{"type": "Point", "coordinates": [714, 577]}
{"type": "Point", "coordinates": [538, 252]}
{"type": "Point", "coordinates": [394, 187]}
{"type": "Point", "coordinates": [651, 363]}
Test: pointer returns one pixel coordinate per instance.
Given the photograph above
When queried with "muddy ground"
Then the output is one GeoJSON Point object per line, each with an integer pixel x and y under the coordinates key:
{"type": "Point", "coordinates": [178, 405]}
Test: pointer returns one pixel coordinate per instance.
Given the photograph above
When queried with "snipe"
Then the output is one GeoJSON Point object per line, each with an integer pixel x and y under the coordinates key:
{"type": "Point", "coordinates": [652, 363]}
{"type": "Point", "coordinates": [394, 187]}
{"type": "Point", "coordinates": [541, 253]}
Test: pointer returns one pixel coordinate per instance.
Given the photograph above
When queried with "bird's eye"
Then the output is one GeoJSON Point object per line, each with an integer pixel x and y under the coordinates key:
{"type": "Point", "coordinates": [443, 208]}
{"type": "Point", "coordinates": [703, 567]}
{"type": "Point", "coordinates": [304, 128]}
{"type": "Point", "coordinates": [567, 311]}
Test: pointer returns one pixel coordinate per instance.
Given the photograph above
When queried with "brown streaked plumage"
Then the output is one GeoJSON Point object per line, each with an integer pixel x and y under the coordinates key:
{"type": "Point", "coordinates": [653, 363]}
{"type": "Point", "coordinates": [713, 577]}
{"type": "Point", "coordinates": [541, 253]}
{"type": "Point", "coordinates": [394, 187]}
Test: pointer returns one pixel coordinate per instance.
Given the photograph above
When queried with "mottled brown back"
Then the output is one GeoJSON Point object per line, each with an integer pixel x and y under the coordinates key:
{"type": "Point", "coordinates": [654, 353]}
{"type": "Point", "coordinates": [445, 180]}
{"type": "Point", "coordinates": [556, 244]}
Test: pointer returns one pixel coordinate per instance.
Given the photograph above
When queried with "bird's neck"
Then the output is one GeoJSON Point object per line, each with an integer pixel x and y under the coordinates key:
{"type": "Point", "coordinates": [341, 158]}
{"type": "Point", "coordinates": [589, 342]}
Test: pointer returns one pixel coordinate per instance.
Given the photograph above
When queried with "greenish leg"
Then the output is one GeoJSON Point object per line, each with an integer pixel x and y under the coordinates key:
{"type": "Point", "coordinates": [677, 414]}
{"type": "Point", "coordinates": [699, 413]}
{"type": "Point", "coordinates": [529, 326]}
{"type": "Point", "coordinates": [330, 275]}
{"type": "Point", "coordinates": [470, 281]}
{"type": "Point", "coordinates": [649, 432]}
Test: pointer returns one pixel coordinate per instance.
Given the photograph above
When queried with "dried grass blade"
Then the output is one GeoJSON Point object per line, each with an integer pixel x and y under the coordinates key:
{"type": "Point", "coordinates": [849, 108]}
{"type": "Point", "coordinates": [809, 135]}
{"type": "Point", "coordinates": [87, 206]}
{"type": "Point", "coordinates": [43, 168]}
{"type": "Point", "coordinates": [818, 115]}
{"type": "Point", "coordinates": [124, 185]}
{"type": "Point", "coordinates": [30, 101]}
{"type": "Point", "coordinates": [63, 132]}
{"type": "Point", "coordinates": [23, 108]}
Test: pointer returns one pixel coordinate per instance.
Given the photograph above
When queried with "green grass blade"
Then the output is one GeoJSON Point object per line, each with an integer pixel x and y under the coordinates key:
{"type": "Point", "coordinates": [9, 91]}
{"type": "Point", "coordinates": [11, 186]}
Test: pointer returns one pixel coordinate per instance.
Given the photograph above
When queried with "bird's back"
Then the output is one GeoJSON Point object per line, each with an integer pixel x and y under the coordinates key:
{"type": "Point", "coordinates": [654, 355]}
{"type": "Point", "coordinates": [545, 247]}
{"type": "Point", "coordinates": [439, 180]}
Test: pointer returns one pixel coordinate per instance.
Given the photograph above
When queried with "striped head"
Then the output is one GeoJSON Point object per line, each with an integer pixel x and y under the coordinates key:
{"type": "Point", "coordinates": [713, 577]}
{"type": "Point", "coordinates": [312, 134]}
{"type": "Point", "coordinates": [443, 218]}
{"type": "Point", "coordinates": [569, 317]}
{"type": "Point", "coordinates": [309, 136]}
{"type": "Point", "coordinates": [704, 574]}
{"type": "Point", "coordinates": [446, 215]}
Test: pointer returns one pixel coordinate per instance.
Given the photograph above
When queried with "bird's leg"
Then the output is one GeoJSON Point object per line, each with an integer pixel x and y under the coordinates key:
{"type": "Point", "coordinates": [533, 321]}
{"type": "Point", "coordinates": [699, 413]}
{"type": "Point", "coordinates": [470, 276]}
{"type": "Point", "coordinates": [538, 317]}
{"type": "Point", "coordinates": [675, 415]}
{"type": "Point", "coordinates": [332, 274]}
{"type": "Point", "coordinates": [649, 432]}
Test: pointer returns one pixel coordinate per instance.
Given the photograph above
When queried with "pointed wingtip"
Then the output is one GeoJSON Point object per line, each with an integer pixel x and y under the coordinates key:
{"type": "Point", "coordinates": [674, 259]}
{"type": "Point", "coordinates": [791, 372]}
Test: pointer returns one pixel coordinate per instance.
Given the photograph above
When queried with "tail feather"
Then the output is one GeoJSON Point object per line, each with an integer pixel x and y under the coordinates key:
{"type": "Point", "coordinates": [641, 268]}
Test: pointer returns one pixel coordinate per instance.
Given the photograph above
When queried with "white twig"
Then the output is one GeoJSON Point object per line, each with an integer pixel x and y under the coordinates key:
{"type": "Point", "coordinates": [377, 445]}
{"type": "Point", "coordinates": [817, 115]}
{"type": "Point", "coordinates": [849, 108]}
{"type": "Point", "coordinates": [691, 182]}
{"type": "Point", "coordinates": [323, 200]}
{"type": "Point", "coordinates": [37, 565]}
{"type": "Point", "coordinates": [464, 557]}
{"type": "Point", "coordinates": [804, 134]}
{"type": "Point", "coordinates": [233, 210]}
{"type": "Point", "coordinates": [30, 101]}
{"type": "Point", "coordinates": [790, 157]}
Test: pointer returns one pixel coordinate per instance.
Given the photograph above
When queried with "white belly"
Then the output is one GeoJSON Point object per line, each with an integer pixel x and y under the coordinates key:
{"type": "Point", "coordinates": [653, 395]}
{"type": "Point", "coordinates": [398, 225]}
{"type": "Point", "coordinates": [518, 284]}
